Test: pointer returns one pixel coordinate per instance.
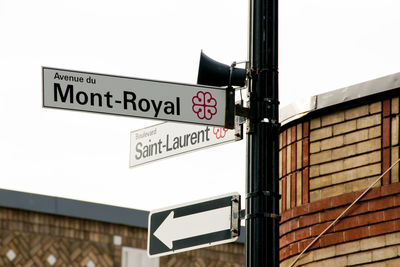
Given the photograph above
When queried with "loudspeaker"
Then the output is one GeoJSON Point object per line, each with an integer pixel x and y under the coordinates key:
{"type": "Point", "coordinates": [214, 73]}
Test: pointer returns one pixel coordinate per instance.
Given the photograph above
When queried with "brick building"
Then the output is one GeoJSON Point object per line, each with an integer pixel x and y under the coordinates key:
{"type": "Point", "coordinates": [38, 230]}
{"type": "Point", "coordinates": [332, 148]}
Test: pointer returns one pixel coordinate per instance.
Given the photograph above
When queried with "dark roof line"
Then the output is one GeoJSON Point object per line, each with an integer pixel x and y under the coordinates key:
{"type": "Point", "coordinates": [73, 208]}
{"type": "Point", "coordinates": [78, 209]}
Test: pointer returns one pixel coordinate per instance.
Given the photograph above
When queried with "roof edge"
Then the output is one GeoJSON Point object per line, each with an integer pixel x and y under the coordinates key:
{"type": "Point", "coordinates": [305, 106]}
{"type": "Point", "coordinates": [73, 208]}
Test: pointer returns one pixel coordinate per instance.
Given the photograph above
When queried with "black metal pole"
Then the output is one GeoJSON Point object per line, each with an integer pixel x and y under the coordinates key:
{"type": "Point", "coordinates": [262, 191]}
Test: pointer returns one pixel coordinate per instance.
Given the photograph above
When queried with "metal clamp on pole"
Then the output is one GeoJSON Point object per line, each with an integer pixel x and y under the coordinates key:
{"type": "Point", "coordinates": [264, 105]}
{"type": "Point", "coordinates": [254, 72]}
{"type": "Point", "coordinates": [263, 193]}
{"type": "Point", "coordinates": [263, 214]}
{"type": "Point", "coordinates": [266, 194]}
{"type": "Point", "coordinates": [271, 101]}
{"type": "Point", "coordinates": [274, 126]}
{"type": "Point", "coordinates": [268, 107]}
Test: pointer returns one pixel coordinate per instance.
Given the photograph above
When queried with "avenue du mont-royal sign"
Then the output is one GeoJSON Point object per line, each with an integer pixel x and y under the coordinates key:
{"type": "Point", "coordinates": [110, 94]}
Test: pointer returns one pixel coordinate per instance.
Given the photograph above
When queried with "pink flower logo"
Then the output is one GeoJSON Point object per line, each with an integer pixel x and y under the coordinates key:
{"type": "Point", "coordinates": [204, 105]}
{"type": "Point", "coordinates": [219, 132]}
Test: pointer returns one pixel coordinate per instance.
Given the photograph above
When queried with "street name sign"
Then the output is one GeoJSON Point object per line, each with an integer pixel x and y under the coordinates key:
{"type": "Point", "coordinates": [194, 225]}
{"type": "Point", "coordinates": [169, 139]}
{"type": "Point", "coordinates": [110, 94]}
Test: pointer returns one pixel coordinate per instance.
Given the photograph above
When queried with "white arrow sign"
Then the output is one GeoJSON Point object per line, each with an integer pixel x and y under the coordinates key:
{"type": "Point", "coordinates": [202, 223]}
{"type": "Point", "coordinates": [194, 225]}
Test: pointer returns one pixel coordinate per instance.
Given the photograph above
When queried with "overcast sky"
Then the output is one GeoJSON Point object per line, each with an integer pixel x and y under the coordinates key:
{"type": "Point", "coordinates": [324, 45]}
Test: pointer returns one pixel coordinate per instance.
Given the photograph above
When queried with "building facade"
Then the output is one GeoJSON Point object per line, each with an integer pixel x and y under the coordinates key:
{"type": "Point", "coordinates": [338, 146]}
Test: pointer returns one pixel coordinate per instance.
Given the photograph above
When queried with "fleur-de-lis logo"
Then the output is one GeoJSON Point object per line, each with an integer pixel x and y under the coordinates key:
{"type": "Point", "coordinates": [219, 132]}
{"type": "Point", "coordinates": [204, 105]}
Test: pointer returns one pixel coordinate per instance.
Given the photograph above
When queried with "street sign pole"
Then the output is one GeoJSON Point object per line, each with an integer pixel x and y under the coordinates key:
{"type": "Point", "coordinates": [262, 185]}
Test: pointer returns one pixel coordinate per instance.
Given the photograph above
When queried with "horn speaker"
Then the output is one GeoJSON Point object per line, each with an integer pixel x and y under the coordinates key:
{"type": "Point", "coordinates": [214, 73]}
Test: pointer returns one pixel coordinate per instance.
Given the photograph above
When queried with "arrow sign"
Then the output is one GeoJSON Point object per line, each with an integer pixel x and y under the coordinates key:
{"type": "Point", "coordinates": [202, 223]}
{"type": "Point", "coordinates": [194, 225]}
{"type": "Point", "coordinates": [125, 96]}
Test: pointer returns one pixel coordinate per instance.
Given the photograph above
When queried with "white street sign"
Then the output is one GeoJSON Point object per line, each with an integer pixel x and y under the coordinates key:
{"type": "Point", "coordinates": [194, 225]}
{"type": "Point", "coordinates": [101, 93]}
{"type": "Point", "coordinates": [170, 139]}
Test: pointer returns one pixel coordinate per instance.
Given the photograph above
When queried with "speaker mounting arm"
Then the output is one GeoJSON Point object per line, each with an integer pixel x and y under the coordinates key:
{"type": "Point", "coordinates": [242, 111]}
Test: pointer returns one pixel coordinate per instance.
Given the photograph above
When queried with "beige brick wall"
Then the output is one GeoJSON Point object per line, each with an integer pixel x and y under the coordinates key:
{"type": "Point", "coordinates": [375, 251]}
{"type": "Point", "coordinates": [345, 151]}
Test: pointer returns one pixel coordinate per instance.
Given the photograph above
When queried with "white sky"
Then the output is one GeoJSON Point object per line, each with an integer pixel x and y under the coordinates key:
{"type": "Point", "coordinates": [324, 45]}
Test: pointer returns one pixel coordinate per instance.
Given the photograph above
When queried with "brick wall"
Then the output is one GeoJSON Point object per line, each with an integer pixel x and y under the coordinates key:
{"type": "Point", "coordinates": [326, 163]}
{"type": "Point", "coordinates": [345, 151]}
{"type": "Point", "coordinates": [30, 238]}
{"type": "Point", "coordinates": [294, 166]}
